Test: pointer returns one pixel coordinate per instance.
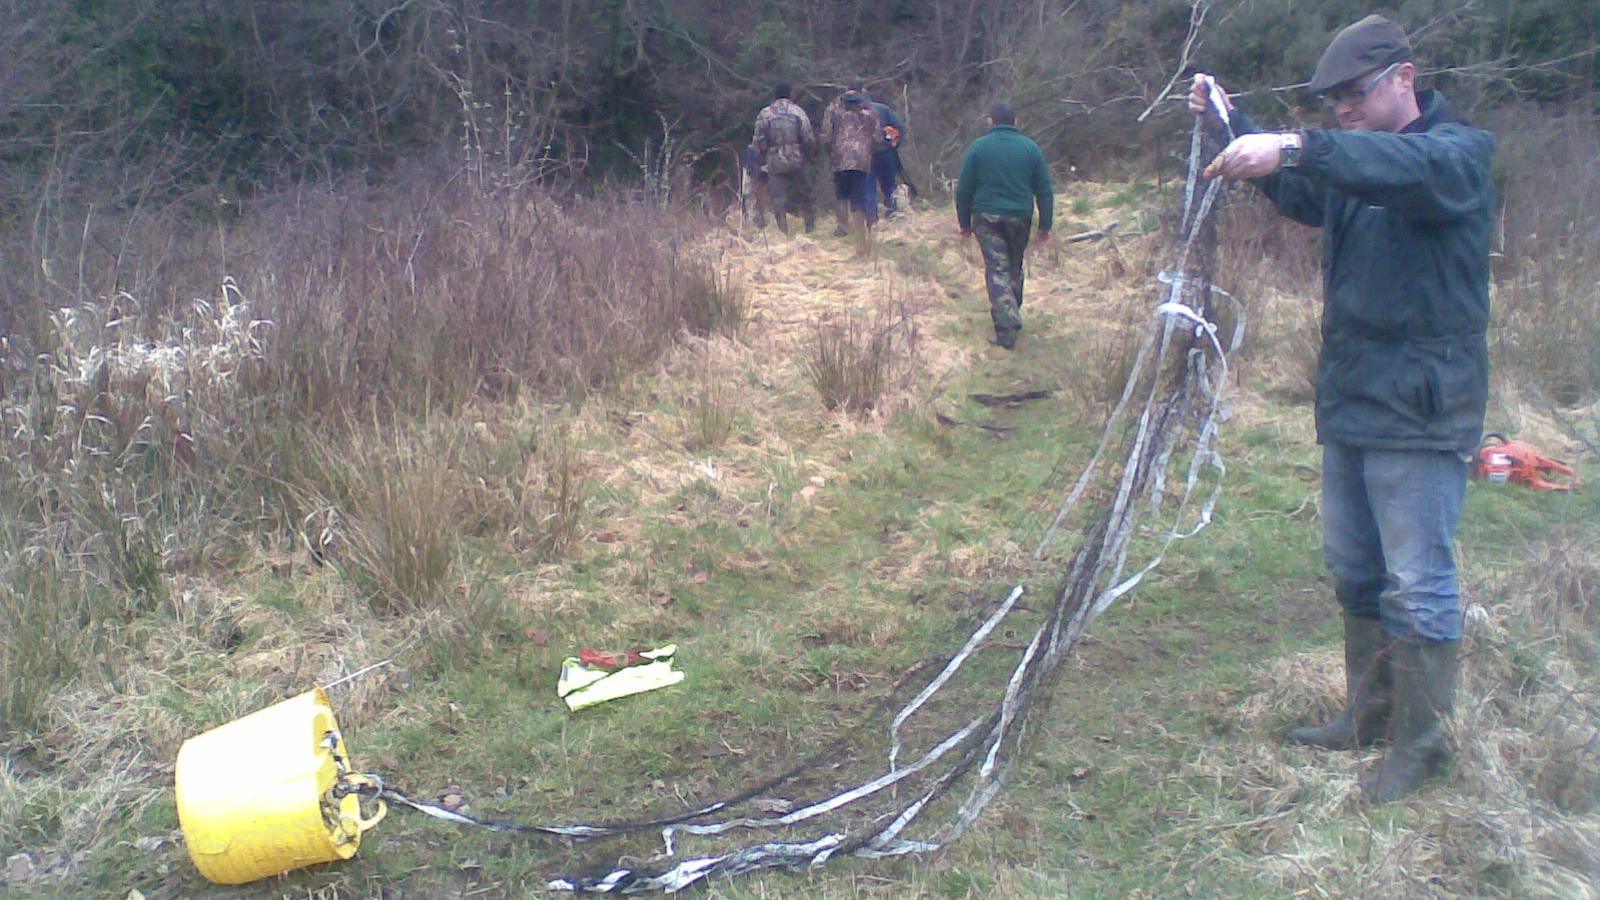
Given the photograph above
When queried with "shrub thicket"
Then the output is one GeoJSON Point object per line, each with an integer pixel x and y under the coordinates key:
{"type": "Point", "coordinates": [142, 100]}
{"type": "Point", "coordinates": [147, 437]}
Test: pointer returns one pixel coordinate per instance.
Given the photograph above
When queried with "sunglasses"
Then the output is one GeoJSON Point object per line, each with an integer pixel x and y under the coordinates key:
{"type": "Point", "coordinates": [1355, 94]}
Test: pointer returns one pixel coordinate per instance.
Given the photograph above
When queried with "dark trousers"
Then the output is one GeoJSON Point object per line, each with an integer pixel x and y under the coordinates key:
{"type": "Point", "coordinates": [791, 192]}
{"type": "Point", "coordinates": [1003, 240]}
{"type": "Point", "coordinates": [859, 190]}
{"type": "Point", "coordinates": [888, 173]}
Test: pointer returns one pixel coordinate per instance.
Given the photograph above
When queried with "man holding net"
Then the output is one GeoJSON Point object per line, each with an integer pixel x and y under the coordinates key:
{"type": "Point", "coordinates": [1402, 192]}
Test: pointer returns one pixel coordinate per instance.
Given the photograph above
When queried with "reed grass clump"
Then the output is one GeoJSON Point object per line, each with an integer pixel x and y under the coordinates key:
{"type": "Point", "coordinates": [854, 361]}
{"type": "Point", "coordinates": [715, 303]}
{"type": "Point", "coordinates": [394, 529]}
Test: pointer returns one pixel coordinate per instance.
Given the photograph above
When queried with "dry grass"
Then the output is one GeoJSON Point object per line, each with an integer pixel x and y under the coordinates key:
{"type": "Point", "coordinates": [1547, 307]}
{"type": "Point", "coordinates": [154, 448]}
{"type": "Point", "coordinates": [1520, 815]}
{"type": "Point", "coordinates": [150, 437]}
{"type": "Point", "coordinates": [100, 755]}
{"type": "Point", "coordinates": [716, 303]}
{"type": "Point", "coordinates": [518, 293]}
{"type": "Point", "coordinates": [523, 487]}
{"type": "Point", "coordinates": [104, 489]}
{"type": "Point", "coordinates": [850, 363]}
{"type": "Point", "coordinates": [711, 415]}
{"type": "Point", "coordinates": [392, 515]}
{"type": "Point", "coordinates": [53, 624]}
{"type": "Point", "coordinates": [1274, 266]}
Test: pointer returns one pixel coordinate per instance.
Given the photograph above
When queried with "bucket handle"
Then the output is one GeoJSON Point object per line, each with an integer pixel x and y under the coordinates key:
{"type": "Point", "coordinates": [355, 826]}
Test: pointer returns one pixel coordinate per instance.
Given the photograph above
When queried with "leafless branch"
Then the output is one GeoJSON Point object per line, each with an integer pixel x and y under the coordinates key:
{"type": "Point", "coordinates": [1191, 41]}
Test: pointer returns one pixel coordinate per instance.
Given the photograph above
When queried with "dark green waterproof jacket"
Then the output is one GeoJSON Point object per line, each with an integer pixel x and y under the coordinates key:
{"type": "Point", "coordinates": [1406, 220]}
{"type": "Point", "coordinates": [1004, 174]}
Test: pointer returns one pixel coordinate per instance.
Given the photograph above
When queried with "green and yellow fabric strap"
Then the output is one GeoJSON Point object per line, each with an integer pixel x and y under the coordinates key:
{"type": "Point", "coordinates": [583, 686]}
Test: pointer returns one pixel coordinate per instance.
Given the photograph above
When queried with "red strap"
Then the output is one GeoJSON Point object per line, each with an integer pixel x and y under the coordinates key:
{"type": "Point", "coordinates": [603, 660]}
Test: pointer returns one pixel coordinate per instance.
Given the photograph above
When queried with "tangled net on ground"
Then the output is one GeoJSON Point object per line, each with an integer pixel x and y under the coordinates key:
{"type": "Point", "coordinates": [1168, 411]}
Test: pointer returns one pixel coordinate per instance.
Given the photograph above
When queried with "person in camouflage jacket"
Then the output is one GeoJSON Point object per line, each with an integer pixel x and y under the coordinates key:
{"type": "Point", "coordinates": [852, 132]}
{"type": "Point", "coordinates": [785, 144]}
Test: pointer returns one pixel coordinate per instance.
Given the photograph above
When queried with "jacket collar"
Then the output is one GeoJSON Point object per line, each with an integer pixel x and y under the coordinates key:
{"type": "Point", "coordinates": [1435, 111]}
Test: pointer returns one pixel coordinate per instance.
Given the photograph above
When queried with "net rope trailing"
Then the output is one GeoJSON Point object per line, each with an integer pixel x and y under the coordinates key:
{"type": "Point", "coordinates": [1170, 407]}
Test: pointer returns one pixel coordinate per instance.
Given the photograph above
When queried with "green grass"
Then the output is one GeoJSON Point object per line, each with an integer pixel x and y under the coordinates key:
{"type": "Point", "coordinates": [1135, 194]}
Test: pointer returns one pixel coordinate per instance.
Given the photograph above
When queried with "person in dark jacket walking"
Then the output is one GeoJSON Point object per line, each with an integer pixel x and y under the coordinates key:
{"type": "Point", "coordinates": [886, 159]}
{"type": "Point", "coordinates": [1003, 176]}
{"type": "Point", "coordinates": [1403, 195]}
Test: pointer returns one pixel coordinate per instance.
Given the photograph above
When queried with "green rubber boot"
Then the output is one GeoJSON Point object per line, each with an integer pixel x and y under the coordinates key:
{"type": "Point", "coordinates": [1369, 684]}
{"type": "Point", "coordinates": [1425, 692]}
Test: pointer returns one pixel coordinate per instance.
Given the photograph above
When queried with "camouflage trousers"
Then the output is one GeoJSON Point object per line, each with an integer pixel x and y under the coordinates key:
{"type": "Point", "coordinates": [1003, 240]}
{"type": "Point", "coordinates": [790, 192]}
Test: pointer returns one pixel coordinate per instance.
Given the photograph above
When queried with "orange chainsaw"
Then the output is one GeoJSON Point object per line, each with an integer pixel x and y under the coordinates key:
{"type": "Point", "coordinates": [1504, 461]}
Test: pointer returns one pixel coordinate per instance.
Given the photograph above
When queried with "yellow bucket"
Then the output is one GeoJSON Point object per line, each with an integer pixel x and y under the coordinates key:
{"type": "Point", "coordinates": [255, 795]}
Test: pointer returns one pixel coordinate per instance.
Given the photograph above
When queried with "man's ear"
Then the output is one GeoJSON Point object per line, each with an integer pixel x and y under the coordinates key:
{"type": "Point", "coordinates": [1406, 75]}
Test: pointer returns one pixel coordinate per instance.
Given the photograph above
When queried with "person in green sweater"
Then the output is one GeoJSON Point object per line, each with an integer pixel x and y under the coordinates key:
{"type": "Point", "coordinates": [1003, 176]}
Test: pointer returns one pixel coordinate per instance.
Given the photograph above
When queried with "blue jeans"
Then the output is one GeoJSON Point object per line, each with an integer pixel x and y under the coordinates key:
{"type": "Point", "coordinates": [1388, 534]}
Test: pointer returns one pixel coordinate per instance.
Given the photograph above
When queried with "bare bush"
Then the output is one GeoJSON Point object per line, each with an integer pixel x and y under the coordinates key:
{"type": "Point", "coordinates": [149, 436]}
{"type": "Point", "coordinates": [1547, 308]}
{"type": "Point", "coordinates": [1273, 265]}
{"type": "Point", "coordinates": [1265, 250]}
{"type": "Point", "coordinates": [457, 294]}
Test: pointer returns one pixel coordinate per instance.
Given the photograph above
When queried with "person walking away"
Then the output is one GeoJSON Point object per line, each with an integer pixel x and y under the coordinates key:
{"type": "Point", "coordinates": [886, 159]}
{"type": "Point", "coordinates": [1003, 176]}
{"type": "Point", "coordinates": [785, 143]}
{"type": "Point", "coordinates": [852, 132]}
{"type": "Point", "coordinates": [1403, 194]}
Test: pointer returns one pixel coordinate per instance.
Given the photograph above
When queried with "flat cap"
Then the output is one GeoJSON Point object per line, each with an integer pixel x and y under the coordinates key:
{"type": "Point", "coordinates": [1366, 46]}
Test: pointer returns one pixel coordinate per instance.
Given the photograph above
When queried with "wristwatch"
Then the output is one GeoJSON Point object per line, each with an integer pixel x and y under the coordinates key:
{"type": "Point", "coordinates": [1289, 144]}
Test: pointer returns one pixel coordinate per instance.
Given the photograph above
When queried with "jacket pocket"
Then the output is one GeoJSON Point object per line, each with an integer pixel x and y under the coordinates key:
{"type": "Point", "coordinates": [1418, 383]}
{"type": "Point", "coordinates": [1449, 385]}
{"type": "Point", "coordinates": [1398, 382]}
{"type": "Point", "coordinates": [1431, 392]}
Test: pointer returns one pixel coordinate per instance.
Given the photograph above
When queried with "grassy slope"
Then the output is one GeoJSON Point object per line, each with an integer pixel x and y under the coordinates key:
{"type": "Point", "coordinates": [806, 563]}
